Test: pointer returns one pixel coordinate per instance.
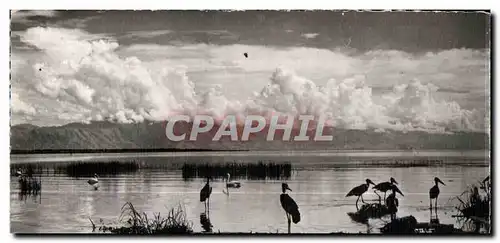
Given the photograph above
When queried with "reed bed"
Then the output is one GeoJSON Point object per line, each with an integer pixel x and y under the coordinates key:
{"type": "Point", "coordinates": [404, 162]}
{"type": "Point", "coordinates": [81, 169]}
{"type": "Point", "coordinates": [138, 223]}
{"type": "Point", "coordinates": [28, 169]}
{"type": "Point", "coordinates": [251, 171]}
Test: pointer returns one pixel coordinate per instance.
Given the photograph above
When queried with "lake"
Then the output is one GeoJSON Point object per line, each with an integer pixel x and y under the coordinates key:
{"type": "Point", "coordinates": [319, 180]}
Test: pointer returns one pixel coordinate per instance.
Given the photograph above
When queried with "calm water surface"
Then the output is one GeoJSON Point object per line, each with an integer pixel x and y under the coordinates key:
{"type": "Point", "coordinates": [319, 189]}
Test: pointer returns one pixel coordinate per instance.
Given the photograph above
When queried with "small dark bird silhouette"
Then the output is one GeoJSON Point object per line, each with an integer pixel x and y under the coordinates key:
{"type": "Point", "coordinates": [205, 194]}
{"type": "Point", "coordinates": [40, 69]}
{"type": "Point", "coordinates": [359, 190]}
{"type": "Point", "coordinates": [434, 193]}
{"type": "Point", "coordinates": [291, 208]}
{"type": "Point", "coordinates": [245, 54]}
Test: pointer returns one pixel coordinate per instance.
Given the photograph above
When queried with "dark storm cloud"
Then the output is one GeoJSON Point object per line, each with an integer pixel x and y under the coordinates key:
{"type": "Point", "coordinates": [408, 31]}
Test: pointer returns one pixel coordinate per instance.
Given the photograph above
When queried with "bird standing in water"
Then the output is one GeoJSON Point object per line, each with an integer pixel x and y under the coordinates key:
{"type": "Point", "coordinates": [232, 184]}
{"type": "Point", "coordinates": [18, 173]}
{"type": "Point", "coordinates": [434, 193]}
{"type": "Point", "coordinates": [289, 205]}
{"type": "Point", "coordinates": [359, 190]}
{"type": "Point", "coordinates": [392, 202]}
{"type": "Point", "coordinates": [205, 194]}
{"type": "Point", "coordinates": [94, 182]}
{"type": "Point", "coordinates": [386, 186]}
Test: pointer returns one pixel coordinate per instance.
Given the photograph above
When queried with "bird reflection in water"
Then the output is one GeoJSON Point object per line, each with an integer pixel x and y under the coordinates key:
{"type": "Point", "coordinates": [29, 186]}
{"type": "Point", "coordinates": [206, 225]}
{"type": "Point", "coordinates": [434, 219]}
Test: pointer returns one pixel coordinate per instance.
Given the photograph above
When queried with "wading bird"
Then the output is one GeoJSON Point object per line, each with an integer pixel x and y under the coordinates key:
{"type": "Point", "coordinates": [18, 173]}
{"type": "Point", "coordinates": [434, 193]}
{"type": "Point", "coordinates": [94, 181]}
{"type": "Point", "coordinates": [233, 184]}
{"type": "Point", "coordinates": [386, 186]}
{"type": "Point", "coordinates": [359, 190]}
{"type": "Point", "coordinates": [289, 205]}
{"type": "Point", "coordinates": [205, 194]}
{"type": "Point", "coordinates": [392, 202]}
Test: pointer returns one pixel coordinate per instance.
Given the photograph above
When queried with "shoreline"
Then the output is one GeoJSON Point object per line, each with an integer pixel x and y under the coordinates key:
{"type": "Point", "coordinates": [174, 150]}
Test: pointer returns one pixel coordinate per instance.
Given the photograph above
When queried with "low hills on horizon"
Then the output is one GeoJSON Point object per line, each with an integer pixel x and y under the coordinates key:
{"type": "Point", "coordinates": [150, 136]}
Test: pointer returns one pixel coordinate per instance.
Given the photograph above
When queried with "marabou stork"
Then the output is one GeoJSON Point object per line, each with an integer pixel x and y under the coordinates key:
{"type": "Point", "coordinates": [289, 205]}
{"type": "Point", "coordinates": [386, 186]}
{"type": "Point", "coordinates": [205, 194]}
{"type": "Point", "coordinates": [392, 202]}
{"type": "Point", "coordinates": [434, 193]}
{"type": "Point", "coordinates": [359, 190]}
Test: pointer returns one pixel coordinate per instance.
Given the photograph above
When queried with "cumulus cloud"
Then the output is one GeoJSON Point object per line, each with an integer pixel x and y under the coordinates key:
{"type": "Point", "coordinates": [349, 104]}
{"type": "Point", "coordinates": [20, 107]}
{"type": "Point", "coordinates": [83, 78]}
{"type": "Point", "coordinates": [310, 35]}
{"type": "Point", "coordinates": [88, 73]}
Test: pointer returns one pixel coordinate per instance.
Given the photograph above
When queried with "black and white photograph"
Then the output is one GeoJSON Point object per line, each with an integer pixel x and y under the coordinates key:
{"type": "Point", "coordinates": [253, 122]}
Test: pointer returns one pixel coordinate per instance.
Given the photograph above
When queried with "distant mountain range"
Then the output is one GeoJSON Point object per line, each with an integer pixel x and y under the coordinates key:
{"type": "Point", "coordinates": [151, 136]}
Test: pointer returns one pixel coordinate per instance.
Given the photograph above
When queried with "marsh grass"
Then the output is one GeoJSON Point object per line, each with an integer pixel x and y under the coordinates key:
{"type": "Point", "coordinates": [251, 171]}
{"type": "Point", "coordinates": [28, 169]}
{"type": "Point", "coordinates": [77, 168]}
{"type": "Point", "coordinates": [420, 162]}
{"type": "Point", "coordinates": [139, 223]}
{"type": "Point", "coordinates": [474, 207]}
{"type": "Point", "coordinates": [194, 169]}
{"type": "Point", "coordinates": [81, 169]}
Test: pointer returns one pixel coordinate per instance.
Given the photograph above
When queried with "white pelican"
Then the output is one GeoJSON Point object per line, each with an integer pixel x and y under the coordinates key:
{"type": "Point", "coordinates": [93, 181]}
{"type": "Point", "coordinates": [233, 184]}
{"type": "Point", "coordinates": [18, 173]}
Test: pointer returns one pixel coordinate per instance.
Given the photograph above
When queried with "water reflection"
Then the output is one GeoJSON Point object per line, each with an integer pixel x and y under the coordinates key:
{"type": "Point", "coordinates": [205, 223]}
{"type": "Point", "coordinates": [318, 191]}
{"type": "Point", "coordinates": [434, 219]}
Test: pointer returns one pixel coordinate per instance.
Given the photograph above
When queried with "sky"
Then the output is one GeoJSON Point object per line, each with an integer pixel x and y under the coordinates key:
{"type": "Point", "coordinates": [385, 70]}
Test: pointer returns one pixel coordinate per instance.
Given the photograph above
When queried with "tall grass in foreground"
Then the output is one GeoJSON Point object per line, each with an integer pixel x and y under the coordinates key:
{"type": "Point", "coordinates": [174, 222]}
{"type": "Point", "coordinates": [252, 171]}
{"type": "Point", "coordinates": [475, 206]}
